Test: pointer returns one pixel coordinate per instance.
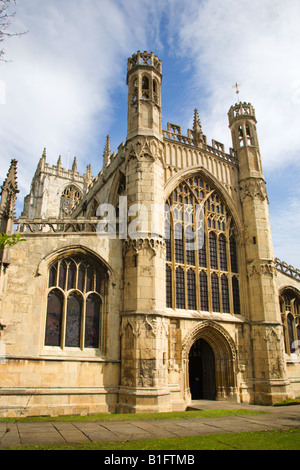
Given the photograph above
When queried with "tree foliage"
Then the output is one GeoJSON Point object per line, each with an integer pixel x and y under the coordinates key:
{"type": "Point", "coordinates": [6, 15]}
{"type": "Point", "coordinates": [9, 240]}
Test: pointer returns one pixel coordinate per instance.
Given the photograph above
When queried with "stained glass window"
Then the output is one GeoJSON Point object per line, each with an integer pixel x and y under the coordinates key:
{"type": "Point", "coordinates": [191, 289]}
{"type": "Point", "coordinates": [71, 275]}
{"type": "Point", "coordinates": [93, 307]}
{"type": "Point", "coordinates": [179, 244]}
{"type": "Point", "coordinates": [195, 207]}
{"type": "Point", "coordinates": [290, 324]}
{"type": "Point", "coordinates": [236, 295]}
{"type": "Point", "coordinates": [169, 286]}
{"type": "Point", "coordinates": [215, 295]}
{"type": "Point", "coordinates": [233, 255]}
{"type": "Point", "coordinates": [203, 291]}
{"type": "Point", "coordinates": [62, 275]}
{"type": "Point", "coordinates": [54, 317]}
{"type": "Point", "coordinates": [213, 250]}
{"type": "Point", "coordinates": [180, 288]}
{"type": "Point", "coordinates": [225, 294]}
{"type": "Point", "coordinates": [75, 302]}
{"type": "Point", "coordinates": [222, 252]}
{"type": "Point", "coordinates": [52, 276]}
{"type": "Point", "coordinates": [73, 326]}
{"type": "Point", "coordinates": [90, 279]}
{"type": "Point", "coordinates": [290, 313]}
{"type": "Point", "coordinates": [202, 252]}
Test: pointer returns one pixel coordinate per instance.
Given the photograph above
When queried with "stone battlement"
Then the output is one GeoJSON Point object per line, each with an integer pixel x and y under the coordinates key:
{"type": "Point", "coordinates": [144, 58]}
{"type": "Point", "coordinates": [241, 110]}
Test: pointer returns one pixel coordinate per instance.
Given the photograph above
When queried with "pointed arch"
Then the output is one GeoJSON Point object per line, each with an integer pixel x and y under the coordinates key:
{"type": "Point", "coordinates": [225, 355]}
{"type": "Point", "coordinates": [202, 234]}
{"type": "Point", "coordinates": [76, 299]}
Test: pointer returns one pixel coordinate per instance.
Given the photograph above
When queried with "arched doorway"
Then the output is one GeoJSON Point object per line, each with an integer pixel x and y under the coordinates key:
{"type": "Point", "coordinates": [202, 371]}
{"type": "Point", "coordinates": [217, 364]}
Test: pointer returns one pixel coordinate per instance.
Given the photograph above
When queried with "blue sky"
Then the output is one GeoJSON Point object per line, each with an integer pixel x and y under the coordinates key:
{"type": "Point", "coordinates": [65, 87]}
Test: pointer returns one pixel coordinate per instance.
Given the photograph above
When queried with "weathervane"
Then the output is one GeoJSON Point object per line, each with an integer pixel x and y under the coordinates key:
{"type": "Point", "coordinates": [236, 86]}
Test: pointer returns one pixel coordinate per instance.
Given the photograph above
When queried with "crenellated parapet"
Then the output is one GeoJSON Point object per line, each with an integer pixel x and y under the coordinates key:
{"type": "Point", "coordinates": [144, 59]}
{"type": "Point", "coordinates": [241, 110]}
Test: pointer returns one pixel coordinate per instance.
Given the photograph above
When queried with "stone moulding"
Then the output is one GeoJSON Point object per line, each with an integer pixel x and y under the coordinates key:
{"type": "Point", "coordinates": [142, 147]}
{"type": "Point", "coordinates": [261, 267]}
{"type": "Point", "coordinates": [215, 334]}
{"type": "Point", "coordinates": [156, 325]}
{"type": "Point", "coordinates": [138, 244]}
{"type": "Point", "coordinates": [253, 188]}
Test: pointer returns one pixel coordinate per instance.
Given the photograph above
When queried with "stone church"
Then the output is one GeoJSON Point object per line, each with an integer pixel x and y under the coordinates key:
{"type": "Point", "coordinates": [151, 284]}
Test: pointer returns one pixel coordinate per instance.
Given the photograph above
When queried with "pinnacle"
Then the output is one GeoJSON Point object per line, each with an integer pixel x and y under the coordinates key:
{"type": "Point", "coordinates": [74, 166]}
{"type": "Point", "coordinates": [11, 178]}
{"type": "Point", "coordinates": [197, 124]}
{"type": "Point", "coordinates": [107, 147]}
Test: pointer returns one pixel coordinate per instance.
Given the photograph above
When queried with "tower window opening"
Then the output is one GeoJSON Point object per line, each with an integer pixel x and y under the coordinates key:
{"type": "Point", "coordinates": [241, 136]}
{"type": "Point", "coordinates": [145, 88]}
{"type": "Point", "coordinates": [155, 92]}
{"type": "Point", "coordinates": [248, 136]}
{"type": "Point", "coordinates": [135, 91]}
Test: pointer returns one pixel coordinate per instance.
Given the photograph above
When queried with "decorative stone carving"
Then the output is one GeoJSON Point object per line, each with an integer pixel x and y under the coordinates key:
{"type": "Point", "coordinates": [253, 188]}
{"type": "Point", "coordinates": [139, 244]}
{"type": "Point", "coordinates": [144, 148]}
{"type": "Point", "coordinates": [215, 332]}
{"type": "Point", "coordinates": [261, 267]}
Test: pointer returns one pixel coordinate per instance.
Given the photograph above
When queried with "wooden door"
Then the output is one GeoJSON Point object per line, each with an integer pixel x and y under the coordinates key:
{"type": "Point", "coordinates": [202, 371]}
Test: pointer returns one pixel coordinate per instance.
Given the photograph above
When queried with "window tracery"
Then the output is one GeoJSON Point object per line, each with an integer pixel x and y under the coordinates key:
{"type": "Point", "coordinates": [75, 303]}
{"type": "Point", "coordinates": [289, 302]}
{"type": "Point", "coordinates": [201, 252]}
{"type": "Point", "coordinates": [69, 199]}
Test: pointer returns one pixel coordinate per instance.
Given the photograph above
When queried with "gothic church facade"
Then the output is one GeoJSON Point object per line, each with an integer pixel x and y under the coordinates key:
{"type": "Point", "coordinates": [114, 305]}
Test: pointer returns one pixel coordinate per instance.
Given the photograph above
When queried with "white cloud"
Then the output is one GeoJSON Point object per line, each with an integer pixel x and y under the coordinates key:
{"type": "Point", "coordinates": [256, 43]}
{"type": "Point", "coordinates": [67, 81]}
{"type": "Point", "coordinates": [62, 78]}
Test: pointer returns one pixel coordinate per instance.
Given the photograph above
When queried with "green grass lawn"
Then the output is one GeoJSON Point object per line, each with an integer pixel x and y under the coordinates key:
{"type": "Point", "coordinates": [267, 440]}
{"type": "Point", "coordinates": [133, 417]}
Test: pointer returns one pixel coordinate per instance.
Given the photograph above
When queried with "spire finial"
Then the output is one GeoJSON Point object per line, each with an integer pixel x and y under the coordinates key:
{"type": "Point", "coordinates": [197, 129]}
{"type": "Point", "coordinates": [11, 178]}
{"type": "Point", "coordinates": [106, 153]}
{"type": "Point", "coordinates": [197, 124]}
{"type": "Point", "coordinates": [236, 86]}
{"type": "Point", "coordinates": [74, 166]}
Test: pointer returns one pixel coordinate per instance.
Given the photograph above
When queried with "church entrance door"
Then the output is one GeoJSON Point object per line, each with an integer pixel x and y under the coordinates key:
{"type": "Point", "coordinates": [202, 371]}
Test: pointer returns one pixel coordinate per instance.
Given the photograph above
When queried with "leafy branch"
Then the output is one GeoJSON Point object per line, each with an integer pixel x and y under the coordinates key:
{"type": "Point", "coordinates": [10, 240]}
{"type": "Point", "coordinates": [5, 21]}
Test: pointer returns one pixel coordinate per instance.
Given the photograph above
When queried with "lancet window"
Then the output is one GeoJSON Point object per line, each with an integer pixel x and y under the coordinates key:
{"type": "Point", "coordinates": [201, 250]}
{"type": "Point", "coordinates": [289, 302]}
{"type": "Point", "coordinates": [75, 303]}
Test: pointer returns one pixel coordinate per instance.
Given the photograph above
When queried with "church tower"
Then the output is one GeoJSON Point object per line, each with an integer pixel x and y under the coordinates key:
{"type": "Point", "coordinates": [144, 329]}
{"type": "Point", "coordinates": [266, 327]}
{"type": "Point", "coordinates": [144, 95]}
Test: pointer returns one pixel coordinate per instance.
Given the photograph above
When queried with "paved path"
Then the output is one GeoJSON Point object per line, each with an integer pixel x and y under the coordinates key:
{"type": "Point", "coordinates": [23, 434]}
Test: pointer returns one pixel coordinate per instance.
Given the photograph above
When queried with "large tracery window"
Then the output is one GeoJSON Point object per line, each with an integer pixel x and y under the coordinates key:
{"type": "Point", "coordinates": [289, 302]}
{"type": "Point", "coordinates": [69, 199]}
{"type": "Point", "coordinates": [75, 304]}
{"type": "Point", "coordinates": [201, 252]}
